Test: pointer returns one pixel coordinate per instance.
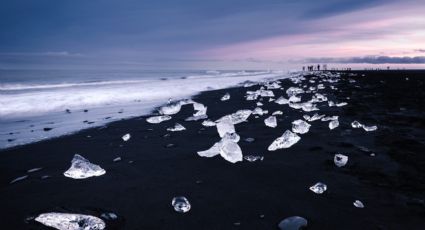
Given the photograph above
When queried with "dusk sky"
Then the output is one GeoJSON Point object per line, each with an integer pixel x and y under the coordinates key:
{"type": "Point", "coordinates": [220, 34]}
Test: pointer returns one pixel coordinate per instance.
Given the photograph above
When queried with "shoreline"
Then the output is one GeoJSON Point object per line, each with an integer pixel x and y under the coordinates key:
{"type": "Point", "coordinates": [244, 195]}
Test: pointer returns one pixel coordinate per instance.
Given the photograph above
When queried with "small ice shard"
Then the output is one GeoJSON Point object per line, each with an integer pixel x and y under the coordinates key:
{"type": "Point", "coordinates": [225, 97]}
{"type": "Point", "coordinates": [116, 159]}
{"type": "Point", "coordinates": [370, 128]}
{"type": "Point", "coordinates": [282, 101]}
{"type": "Point", "coordinates": [293, 223]}
{"type": "Point", "coordinates": [341, 104]}
{"type": "Point", "coordinates": [285, 141]}
{"type": "Point", "coordinates": [208, 123]}
{"type": "Point", "coordinates": [69, 221]}
{"type": "Point", "coordinates": [177, 127]}
{"type": "Point", "coordinates": [81, 168]}
{"type": "Point", "coordinates": [271, 121]}
{"type": "Point", "coordinates": [333, 124]}
{"type": "Point", "coordinates": [126, 137]}
{"type": "Point", "coordinates": [356, 124]}
{"type": "Point", "coordinates": [300, 126]}
{"type": "Point", "coordinates": [158, 119]}
{"type": "Point", "coordinates": [259, 104]}
{"type": "Point", "coordinates": [340, 160]}
{"type": "Point", "coordinates": [358, 204]}
{"type": "Point", "coordinates": [259, 111]}
{"type": "Point", "coordinates": [318, 188]}
{"type": "Point", "coordinates": [315, 117]}
{"type": "Point", "coordinates": [225, 126]}
{"type": "Point", "coordinates": [252, 158]}
{"type": "Point", "coordinates": [34, 170]}
{"type": "Point", "coordinates": [170, 109]}
{"type": "Point", "coordinates": [333, 118]}
{"type": "Point", "coordinates": [211, 152]}
{"type": "Point", "coordinates": [249, 139]}
{"type": "Point", "coordinates": [271, 99]}
{"type": "Point", "coordinates": [331, 103]}
{"type": "Point", "coordinates": [231, 151]}
{"type": "Point", "coordinates": [19, 179]}
{"type": "Point", "coordinates": [109, 216]}
{"type": "Point", "coordinates": [45, 177]}
{"type": "Point", "coordinates": [278, 112]}
{"type": "Point", "coordinates": [180, 204]}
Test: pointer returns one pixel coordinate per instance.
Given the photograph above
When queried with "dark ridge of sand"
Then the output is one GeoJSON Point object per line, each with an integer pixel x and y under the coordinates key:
{"type": "Point", "coordinates": [391, 184]}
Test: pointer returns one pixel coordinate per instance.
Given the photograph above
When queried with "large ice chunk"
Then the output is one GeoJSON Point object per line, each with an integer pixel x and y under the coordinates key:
{"type": "Point", "coordinates": [333, 124]}
{"type": "Point", "coordinates": [70, 221]}
{"type": "Point", "coordinates": [170, 109]}
{"type": "Point", "coordinates": [271, 121]}
{"type": "Point", "coordinates": [231, 151]}
{"type": "Point", "coordinates": [81, 168]}
{"type": "Point", "coordinates": [285, 141]}
{"type": "Point", "coordinates": [300, 126]}
{"type": "Point", "coordinates": [225, 126]}
{"type": "Point", "coordinates": [158, 119]}
{"type": "Point", "coordinates": [237, 117]}
{"type": "Point", "coordinates": [201, 112]}
{"type": "Point", "coordinates": [177, 127]}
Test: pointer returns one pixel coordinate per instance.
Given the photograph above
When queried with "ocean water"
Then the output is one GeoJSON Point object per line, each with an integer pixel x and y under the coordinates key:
{"type": "Point", "coordinates": [32, 100]}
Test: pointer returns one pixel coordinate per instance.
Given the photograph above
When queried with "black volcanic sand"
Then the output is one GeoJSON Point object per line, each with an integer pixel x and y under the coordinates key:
{"type": "Point", "coordinates": [223, 195]}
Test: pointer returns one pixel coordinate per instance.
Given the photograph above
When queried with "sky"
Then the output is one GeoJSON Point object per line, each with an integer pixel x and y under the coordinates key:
{"type": "Point", "coordinates": [219, 34]}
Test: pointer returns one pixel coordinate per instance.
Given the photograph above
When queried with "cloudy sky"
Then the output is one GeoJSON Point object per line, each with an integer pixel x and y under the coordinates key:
{"type": "Point", "coordinates": [209, 34]}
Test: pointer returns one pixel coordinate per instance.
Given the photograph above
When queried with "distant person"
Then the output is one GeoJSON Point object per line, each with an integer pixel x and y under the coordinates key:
{"type": "Point", "coordinates": [303, 68]}
{"type": "Point", "coordinates": [318, 67]}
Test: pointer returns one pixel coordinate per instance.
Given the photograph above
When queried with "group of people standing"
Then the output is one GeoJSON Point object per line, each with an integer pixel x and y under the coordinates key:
{"type": "Point", "coordinates": [312, 67]}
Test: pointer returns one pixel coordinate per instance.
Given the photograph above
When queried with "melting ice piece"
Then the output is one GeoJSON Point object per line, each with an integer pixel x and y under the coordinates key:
{"type": "Point", "coordinates": [69, 221]}
{"type": "Point", "coordinates": [116, 159]}
{"type": "Point", "coordinates": [109, 216]}
{"type": "Point", "coordinates": [285, 141]}
{"type": "Point", "coordinates": [333, 124]}
{"type": "Point", "coordinates": [259, 104]}
{"type": "Point", "coordinates": [358, 204]}
{"type": "Point", "coordinates": [278, 112]}
{"type": "Point", "coordinates": [158, 119]}
{"type": "Point", "coordinates": [170, 109]}
{"type": "Point", "coordinates": [225, 126]}
{"type": "Point", "coordinates": [300, 126]}
{"type": "Point", "coordinates": [34, 170]}
{"type": "Point", "coordinates": [126, 137]}
{"type": "Point", "coordinates": [282, 101]}
{"type": "Point", "coordinates": [370, 128]}
{"type": "Point", "coordinates": [329, 118]}
{"type": "Point", "coordinates": [177, 127]}
{"type": "Point", "coordinates": [341, 104]}
{"type": "Point", "coordinates": [293, 223]}
{"type": "Point", "coordinates": [225, 97]}
{"type": "Point", "coordinates": [252, 158]}
{"type": "Point", "coordinates": [81, 168]}
{"type": "Point", "coordinates": [231, 151]}
{"type": "Point", "coordinates": [356, 124]}
{"type": "Point", "coordinates": [19, 179]}
{"type": "Point", "coordinates": [319, 188]}
{"type": "Point", "coordinates": [208, 123]}
{"type": "Point", "coordinates": [340, 160]}
{"type": "Point", "coordinates": [271, 121]}
{"type": "Point", "coordinates": [181, 204]}
{"type": "Point", "coordinates": [211, 152]}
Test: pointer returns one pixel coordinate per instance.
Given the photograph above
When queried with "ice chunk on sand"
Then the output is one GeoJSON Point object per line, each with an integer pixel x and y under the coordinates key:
{"type": "Point", "coordinates": [231, 151]}
{"type": "Point", "coordinates": [340, 160]}
{"type": "Point", "coordinates": [300, 126]}
{"type": "Point", "coordinates": [81, 168]}
{"type": "Point", "coordinates": [294, 98]}
{"type": "Point", "coordinates": [208, 123]}
{"type": "Point", "coordinates": [126, 137]}
{"type": "Point", "coordinates": [237, 117]}
{"type": "Point", "coordinates": [356, 124]}
{"type": "Point", "coordinates": [225, 126]}
{"type": "Point", "coordinates": [318, 188]}
{"type": "Point", "coordinates": [282, 101]}
{"type": "Point", "coordinates": [252, 158]}
{"type": "Point", "coordinates": [271, 121]}
{"type": "Point", "coordinates": [109, 216]}
{"type": "Point", "coordinates": [170, 109]}
{"type": "Point", "coordinates": [294, 91]}
{"type": "Point", "coordinates": [19, 179]}
{"type": "Point", "coordinates": [231, 137]}
{"type": "Point", "coordinates": [211, 152]}
{"type": "Point", "coordinates": [177, 127]}
{"type": "Point", "coordinates": [259, 104]}
{"type": "Point", "coordinates": [69, 221]}
{"type": "Point", "coordinates": [308, 106]}
{"type": "Point", "coordinates": [285, 141]}
{"type": "Point", "coordinates": [358, 204]}
{"type": "Point", "coordinates": [158, 119]}
{"type": "Point", "coordinates": [201, 112]}
{"type": "Point", "coordinates": [370, 128]}
{"type": "Point", "coordinates": [278, 112]}
{"type": "Point", "coordinates": [315, 117]}
{"type": "Point", "coordinates": [225, 97]}
{"type": "Point", "coordinates": [341, 104]}
{"type": "Point", "coordinates": [116, 159]}
{"type": "Point", "coordinates": [333, 124]}
{"type": "Point", "coordinates": [333, 118]}
{"type": "Point", "coordinates": [259, 111]}
{"type": "Point", "coordinates": [181, 204]}
{"type": "Point", "coordinates": [293, 223]}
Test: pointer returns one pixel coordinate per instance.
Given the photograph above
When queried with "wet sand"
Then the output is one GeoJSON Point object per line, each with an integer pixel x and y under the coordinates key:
{"type": "Point", "coordinates": [245, 195]}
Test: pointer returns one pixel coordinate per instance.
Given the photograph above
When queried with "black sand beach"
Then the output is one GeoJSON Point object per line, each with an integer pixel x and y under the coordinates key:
{"type": "Point", "coordinates": [244, 195]}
